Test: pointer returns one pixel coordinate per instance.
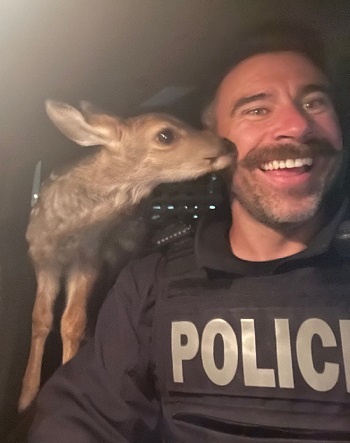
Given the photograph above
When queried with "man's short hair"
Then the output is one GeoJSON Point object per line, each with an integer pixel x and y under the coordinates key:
{"type": "Point", "coordinates": [274, 37]}
{"type": "Point", "coordinates": [265, 38]}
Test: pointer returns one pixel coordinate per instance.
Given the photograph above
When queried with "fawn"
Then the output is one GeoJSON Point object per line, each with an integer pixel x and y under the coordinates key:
{"type": "Point", "coordinates": [69, 224]}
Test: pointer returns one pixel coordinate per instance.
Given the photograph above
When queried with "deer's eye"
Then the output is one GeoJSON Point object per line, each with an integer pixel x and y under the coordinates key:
{"type": "Point", "coordinates": [166, 136]}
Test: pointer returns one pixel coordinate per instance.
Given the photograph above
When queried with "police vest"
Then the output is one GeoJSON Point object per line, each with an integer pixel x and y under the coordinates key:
{"type": "Point", "coordinates": [254, 358]}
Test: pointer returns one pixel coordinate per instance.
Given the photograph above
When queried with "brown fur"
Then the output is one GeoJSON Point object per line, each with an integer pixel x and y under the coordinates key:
{"type": "Point", "coordinates": [68, 225]}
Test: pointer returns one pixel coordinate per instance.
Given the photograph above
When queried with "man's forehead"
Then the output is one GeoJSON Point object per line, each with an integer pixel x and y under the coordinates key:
{"type": "Point", "coordinates": [261, 69]}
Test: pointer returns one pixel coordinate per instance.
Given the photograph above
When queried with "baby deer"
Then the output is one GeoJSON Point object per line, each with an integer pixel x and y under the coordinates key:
{"type": "Point", "coordinates": [69, 225]}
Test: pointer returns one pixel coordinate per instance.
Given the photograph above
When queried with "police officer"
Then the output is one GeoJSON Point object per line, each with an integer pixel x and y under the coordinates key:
{"type": "Point", "coordinates": [246, 335]}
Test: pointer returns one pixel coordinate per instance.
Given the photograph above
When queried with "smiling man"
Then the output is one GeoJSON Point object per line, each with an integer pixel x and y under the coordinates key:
{"type": "Point", "coordinates": [242, 335]}
{"type": "Point", "coordinates": [277, 109]}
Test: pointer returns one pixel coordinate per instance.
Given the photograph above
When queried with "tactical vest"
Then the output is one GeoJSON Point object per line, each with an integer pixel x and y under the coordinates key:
{"type": "Point", "coordinates": [242, 359]}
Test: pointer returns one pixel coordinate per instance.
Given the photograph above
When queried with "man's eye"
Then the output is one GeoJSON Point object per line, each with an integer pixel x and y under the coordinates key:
{"type": "Point", "coordinates": [257, 112]}
{"type": "Point", "coordinates": [317, 104]}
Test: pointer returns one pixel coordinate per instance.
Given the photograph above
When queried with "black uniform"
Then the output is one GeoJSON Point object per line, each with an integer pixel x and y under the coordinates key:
{"type": "Point", "coordinates": [204, 347]}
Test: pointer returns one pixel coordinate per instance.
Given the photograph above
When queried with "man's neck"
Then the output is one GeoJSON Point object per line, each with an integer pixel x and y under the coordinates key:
{"type": "Point", "coordinates": [253, 241]}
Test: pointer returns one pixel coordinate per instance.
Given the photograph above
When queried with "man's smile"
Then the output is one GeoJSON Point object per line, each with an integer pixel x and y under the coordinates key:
{"type": "Point", "coordinates": [290, 163]}
{"type": "Point", "coordinates": [289, 172]}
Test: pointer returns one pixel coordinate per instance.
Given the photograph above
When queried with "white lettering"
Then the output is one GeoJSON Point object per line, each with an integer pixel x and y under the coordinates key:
{"type": "Point", "coordinates": [220, 376]}
{"type": "Point", "coordinates": [345, 340]}
{"type": "Point", "coordinates": [181, 351]}
{"type": "Point", "coordinates": [284, 353]}
{"type": "Point", "coordinates": [327, 379]}
{"type": "Point", "coordinates": [186, 343]}
{"type": "Point", "coordinates": [253, 376]}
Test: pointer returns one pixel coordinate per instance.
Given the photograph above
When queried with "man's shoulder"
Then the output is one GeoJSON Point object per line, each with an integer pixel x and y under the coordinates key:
{"type": "Point", "coordinates": [146, 264]}
{"type": "Point", "coordinates": [341, 236]}
{"type": "Point", "coordinates": [151, 270]}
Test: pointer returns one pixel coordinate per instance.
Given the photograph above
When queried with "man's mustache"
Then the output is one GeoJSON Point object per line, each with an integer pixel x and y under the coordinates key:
{"type": "Point", "coordinates": [310, 149]}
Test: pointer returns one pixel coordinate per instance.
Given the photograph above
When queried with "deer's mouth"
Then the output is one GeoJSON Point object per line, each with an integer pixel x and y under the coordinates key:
{"type": "Point", "coordinates": [221, 161]}
{"type": "Point", "coordinates": [211, 159]}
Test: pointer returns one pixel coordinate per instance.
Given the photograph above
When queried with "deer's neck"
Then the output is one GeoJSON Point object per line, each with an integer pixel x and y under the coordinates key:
{"type": "Point", "coordinates": [108, 187]}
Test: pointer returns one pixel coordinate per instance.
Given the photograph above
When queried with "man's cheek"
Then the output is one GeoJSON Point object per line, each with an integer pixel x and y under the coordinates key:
{"type": "Point", "coordinates": [223, 126]}
{"type": "Point", "coordinates": [328, 127]}
{"type": "Point", "coordinates": [246, 138]}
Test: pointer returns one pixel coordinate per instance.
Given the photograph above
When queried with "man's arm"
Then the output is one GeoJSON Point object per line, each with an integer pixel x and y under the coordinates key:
{"type": "Point", "coordinates": [106, 393]}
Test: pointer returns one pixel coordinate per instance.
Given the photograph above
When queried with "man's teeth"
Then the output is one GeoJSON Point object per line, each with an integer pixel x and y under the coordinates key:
{"type": "Point", "coordinates": [283, 164]}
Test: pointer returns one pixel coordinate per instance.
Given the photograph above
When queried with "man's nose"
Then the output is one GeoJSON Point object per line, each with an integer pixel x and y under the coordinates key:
{"type": "Point", "coordinates": [292, 123]}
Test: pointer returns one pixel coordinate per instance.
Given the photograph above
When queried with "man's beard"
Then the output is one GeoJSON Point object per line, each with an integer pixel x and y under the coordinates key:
{"type": "Point", "coordinates": [284, 209]}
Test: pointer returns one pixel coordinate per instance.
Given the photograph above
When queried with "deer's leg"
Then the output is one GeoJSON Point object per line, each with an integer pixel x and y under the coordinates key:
{"type": "Point", "coordinates": [80, 282]}
{"type": "Point", "coordinates": [48, 284]}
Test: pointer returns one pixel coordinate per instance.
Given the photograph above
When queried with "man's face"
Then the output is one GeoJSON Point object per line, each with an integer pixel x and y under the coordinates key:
{"type": "Point", "coordinates": [276, 108]}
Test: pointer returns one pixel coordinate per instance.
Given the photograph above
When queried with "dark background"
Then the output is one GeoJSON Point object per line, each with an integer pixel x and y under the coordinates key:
{"type": "Point", "coordinates": [116, 54]}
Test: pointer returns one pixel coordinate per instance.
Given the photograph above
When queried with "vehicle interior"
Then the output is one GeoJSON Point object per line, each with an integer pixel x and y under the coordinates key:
{"type": "Point", "coordinates": [126, 57]}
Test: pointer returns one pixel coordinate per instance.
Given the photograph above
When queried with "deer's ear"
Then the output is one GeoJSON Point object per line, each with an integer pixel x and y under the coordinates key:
{"type": "Point", "coordinates": [75, 126]}
{"type": "Point", "coordinates": [89, 108]}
